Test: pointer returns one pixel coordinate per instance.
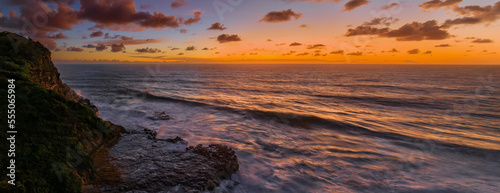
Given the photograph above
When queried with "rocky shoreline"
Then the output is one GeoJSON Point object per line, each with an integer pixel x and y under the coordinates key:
{"type": "Point", "coordinates": [67, 148]}
{"type": "Point", "coordinates": [148, 164]}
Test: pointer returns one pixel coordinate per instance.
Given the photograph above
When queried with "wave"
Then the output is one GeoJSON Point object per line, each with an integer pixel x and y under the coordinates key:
{"type": "Point", "coordinates": [395, 102]}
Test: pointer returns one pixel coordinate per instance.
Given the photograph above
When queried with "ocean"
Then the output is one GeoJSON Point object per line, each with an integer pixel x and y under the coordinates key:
{"type": "Point", "coordinates": [318, 128]}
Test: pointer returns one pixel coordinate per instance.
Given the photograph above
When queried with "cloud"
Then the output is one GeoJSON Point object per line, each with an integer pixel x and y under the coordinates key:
{"type": "Point", "coordinates": [316, 46]}
{"type": "Point", "coordinates": [89, 46]}
{"type": "Point", "coordinates": [303, 54]}
{"type": "Point", "coordinates": [175, 49]}
{"type": "Point", "coordinates": [117, 47]}
{"type": "Point", "coordinates": [414, 51]}
{"type": "Point", "coordinates": [337, 52]}
{"type": "Point", "coordinates": [414, 31]}
{"type": "Point", "coordinates": [428, 52]}
{"type": "Point", "coordinates": [183, 31]}
{"type": "Point", "coordinates": [436, 4]}
{"type": "Point", "coordinates": [387, 21]}
{"type": "Point", "coordinates": [355, 54]}
{"type": "Point", "coordinates": [190, 48]}
{"type": "Point", "coordinates": [100, 47]}
{"type": "Point", "coordinates": [178, 3]}
{"type": "Point", "coordinates": [390, 6]}
{"type": "Point", "coordinates": [74, 49]}
{"type": "Point", "coordinates": [482, 41]}
{"type": "Point", "coordinates": [281, 16]}
{"type": "Point", "coordinates": [353, 4]}
{"type": "Point", "coordinates": [393, 50]}
{"type": "Point", "coordinates": [442, 45]}
{"type": "Point", "coordinates": [148, 50]}
{"type": "Point", "coordinates": [225, 38]}
{"type": "Point", "coordinates": [217, 26]}
{"type": "Point", "coordinates": [205, 49]}
{"type": "Point", "coordinates": [289, 53]}
{"type": "Point", "coordinates": [195, 19]}
{"type": "Point", "coordinates": [96, 34]}
{"type": "Point", "coordinates": [130, 41]}
{"type": "Point", "coordinates": [295, 44]}
{"type": "Point", "coordinates": [473, 14]}
{"type": "Point", "coordinates": [107, 13]}
{"type": "Point", "coordinates": [58, 36]}
{"type": "Point", "coordinates": [303, 26]}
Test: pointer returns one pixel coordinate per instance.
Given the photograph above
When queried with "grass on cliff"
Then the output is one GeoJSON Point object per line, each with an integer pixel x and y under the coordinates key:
{"type": "Point", "coordinates": [54, 135]}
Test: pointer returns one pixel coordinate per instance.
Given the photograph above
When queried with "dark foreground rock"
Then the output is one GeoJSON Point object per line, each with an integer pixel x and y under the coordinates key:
{"type": "Point", "coordinates": [166, 165]}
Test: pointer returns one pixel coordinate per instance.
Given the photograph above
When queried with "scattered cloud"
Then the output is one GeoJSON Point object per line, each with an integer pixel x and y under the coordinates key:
{"type": "Point", "coordinates": [393, 50]}
{"type": "Point", "coordinates": [148, 50]}
{"type": "Point", "coordinates": [482, 41]}
{"type": "Point", "coordinates": [217, 26]}
{"type": "Point", "coordinates": [96, 34]}
{"type": "Point", "coordinates": [101, 47]}
{"type": "Point", "coordinates": [195, 19]}
{"type": "Point", "coordinates": [225, 38]}
{"type": "Point", "coordinates": [303, 26]}
{"type": "Point", "coordinates": [89, 46]}
{"type": "Point", "coordinates": [337, 52]}
{"type": "Point", "coordinates": [316, 46]}
{"type": "Point", "coordinates": [442, 45]}
{"type": "Point", "coordinates": [303, 54]}
{"type": "Point", "coordinates": [183, 31]}
{"type": "Point", "coordinates": [295, 44]}
{"type": "Point", "coordinates": [355, 54]}
{"type": "Point", "coordinates": [74, 49]}
{"type": "Point", "coordinates": [281, 16]}
{"type": "Point", "coordinates": [414, 51]}
{"type": "Point", "coordinates": [428, 52]}
{"type": "Point", "coordinates": [386, 21]}
{"type": "Point", "coordinates": [190, 48]}
{"type": "Point", "coordinates": [178, 3]}
{"type": "Point", "coordinates": [117, 47]}
{"type": "Point", "coordinates": [415, 31]}
{"type": "Point", "coordinates": [353, 4]}
{"type": "Point", "coordinates": [58, 36]}
{"type": "Point", "coordinates": [390, 6]}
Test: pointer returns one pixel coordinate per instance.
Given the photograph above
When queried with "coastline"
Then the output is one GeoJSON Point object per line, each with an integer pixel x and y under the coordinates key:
{"type": "Point", "coordinates": [82, 156]}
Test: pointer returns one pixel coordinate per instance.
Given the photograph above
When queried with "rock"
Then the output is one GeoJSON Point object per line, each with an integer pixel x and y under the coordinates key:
{"type": "Point", "coordinates": [159, 116]}
{"type": "Point", "coordinates": [168, 165]}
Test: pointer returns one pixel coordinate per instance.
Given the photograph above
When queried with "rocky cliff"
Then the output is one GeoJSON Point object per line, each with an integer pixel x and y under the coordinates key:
{"type": "Point", "coordinates": [57, 130]}
{"type": "Point", "coordinates": [62, 146]}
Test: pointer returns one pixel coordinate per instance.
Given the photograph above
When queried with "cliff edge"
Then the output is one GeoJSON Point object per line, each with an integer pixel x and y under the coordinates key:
{"type": "Point", "coordinates": [57, 130]}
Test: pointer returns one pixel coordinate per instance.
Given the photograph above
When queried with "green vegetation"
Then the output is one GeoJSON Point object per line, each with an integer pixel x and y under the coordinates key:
{"type": "Point", "coordinates": [55, 135]}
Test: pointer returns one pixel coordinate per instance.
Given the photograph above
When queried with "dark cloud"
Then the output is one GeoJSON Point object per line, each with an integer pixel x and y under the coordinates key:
{"type": "Point", "coordinates": [74, 49]}
{"type": "Point", "coordinates": [387, 21]}
{"type": "Point", "coordinates": [337, 52]}
{"type": "Point", "coordinates": [107, 13]}
{"type": "Point", "coordinates": [101, 47]}
{"type": "Point", "coordinates": [428, 52]}
{"type": "Point", "coordinates": [414, 51]}
{"type": "Point", "coordinates": [303, 26]}
{"type": "Point", "coordinates": [393, 50]}
{"type": "Point", "coordinates": [353, 4]}
{"type": "Point", "coordinates": [89, 46]}
{"type": "Point", "coordinates": [96, 34]}
{"type": "Point", "coordinates": [183, 31]}
{"type": "Point", "coordinates": [482, 41]}
{"type": "Point", "coordinates": [414, 31]}
{"type": "Point", "coordinates": [295, 44]}
{"type": "Point", "coordinates": [224, 38]}
{"type": "Point", "coordinates": [217, 26]}
{"type": "Point", "coordinates": [58, 36]}
{"type": "Point", "coordinates": [316, 46]}
{"type": "Point", "coordinates": [442, 45]}
{"type": "Point", "coordinates": [130, 41]}
{"type": "Point", "coordinates": [436, 4]}
{"type": "Point", "coordinates": [195, 19]}
{"type": "Point", "coordinates": [178, 3]}
{"type": "Point", "coordinates": [303, 54]}
{"type": "Point", "coordinates": [148, 50]}
{"type": "Point", "coordinates": [355, 54]}
{"type": "Point", "coordinates": [117, 47]}
{"type": "Point", "coordinates": [175, 49]}
{"type": "Point", "coordinates": [289, 53]}
{"type": "Point", "coordinates": [190, 48]}
{"type": "Point", "coordinates": [205, 49]}
{"type": "Point", "coordinates": [281, 16]}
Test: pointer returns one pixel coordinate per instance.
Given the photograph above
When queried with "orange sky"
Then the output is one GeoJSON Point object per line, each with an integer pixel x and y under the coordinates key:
{"type": "Point", "coordinates": [262, 31]}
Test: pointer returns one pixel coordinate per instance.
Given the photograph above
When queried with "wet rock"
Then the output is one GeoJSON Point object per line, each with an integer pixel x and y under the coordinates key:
{"type": "Point", "coordinates": [159, 116]}
{"type": "Point", "coordinates": [168, 165]}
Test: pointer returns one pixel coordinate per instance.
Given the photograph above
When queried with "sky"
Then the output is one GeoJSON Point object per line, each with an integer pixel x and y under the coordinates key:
{"type": "Point", "coordinates": [260, 31]}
